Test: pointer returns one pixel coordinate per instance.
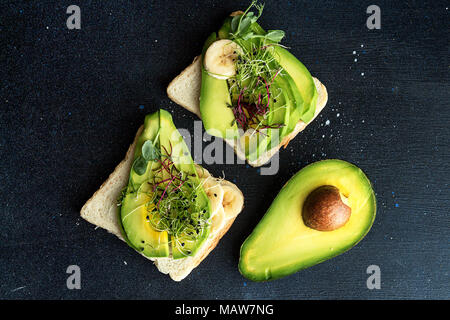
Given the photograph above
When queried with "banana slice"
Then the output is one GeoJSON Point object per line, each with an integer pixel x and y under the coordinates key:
{"type": "Point", "coordinates": [220, 58]}
{"type": "Point", "coordinates": [233, 199]}
{"type": "Point", "coordinates": [218, 221]}
{"type": "Point", "coordinates": [214, 192]}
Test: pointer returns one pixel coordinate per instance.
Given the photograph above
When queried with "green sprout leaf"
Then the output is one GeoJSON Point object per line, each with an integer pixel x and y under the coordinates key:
{"type": "Point", "coordinates": [245, 25]}
{"type": "Point", "coordinates": [248, 36]}
{"type": "Point", "coordinates": [240, 25]}
{"type": "Point", "coordinates": [275, 35]}
{"type": "Point", "coordinates": [140, 165]}
{"type": "Point", "coordinates": [235, 23]}
{"type": "Point", "coordinates": [149, 151]}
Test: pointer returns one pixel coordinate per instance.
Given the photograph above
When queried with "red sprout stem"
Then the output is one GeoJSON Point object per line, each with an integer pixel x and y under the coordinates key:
{"type": "Point", "coordinates": [276, 74]}
{"type": "Point", "coordinates": [162, 196]}
{"type": "Point", "coordinates": [181, 184]}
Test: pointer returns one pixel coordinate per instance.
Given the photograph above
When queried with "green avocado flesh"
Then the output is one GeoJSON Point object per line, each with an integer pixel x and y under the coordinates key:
{"type": "Point", "coordinates": [281, 244]}
{"type": "Point", "coordinates": [300, 74]}
{"type": "Point", "coordinates": [215, 102]}
{"type": "Point", "coordinates": [164, 210]}
{"type": "Point", "coordinates": [293, 87]}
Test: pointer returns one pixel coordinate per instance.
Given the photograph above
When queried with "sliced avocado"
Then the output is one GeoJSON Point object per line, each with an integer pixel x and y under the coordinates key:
{"type": "Point", "coordinates": [299, 73]}
{"type": "Point", "coordinates": [136, 212]}
{"type": "Point", "coordinates": [302, 79]}
{"type": "Point", "coordinates": [140, 214]}
{"type": "Point", "coordinates": [298, 108]}
{"type": "Point", "coordinates": [137, 204]}
{"type": "Point", "coordinates": [215, 101]}
{"type": "Point", "coordinates": [279, 111]}
{"type": "Point", "coordinates": [290, 113]}
{"type": "Point", "coordinates": [254, 144]}
{"type": "Point", "coordinates": [282, 244]}
{"type": "Point", "coordinates": [171, 141]}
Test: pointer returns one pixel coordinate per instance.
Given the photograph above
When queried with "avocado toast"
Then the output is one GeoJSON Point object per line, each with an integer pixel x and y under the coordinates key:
{"type": "Point", "coordinates": [161, 203]}
{"type": "Point", "coordinates": [249, 89]}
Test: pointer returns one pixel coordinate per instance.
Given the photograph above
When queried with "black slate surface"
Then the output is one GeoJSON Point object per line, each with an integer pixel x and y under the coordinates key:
{"type": "Point", "coordinates": [71, 101]}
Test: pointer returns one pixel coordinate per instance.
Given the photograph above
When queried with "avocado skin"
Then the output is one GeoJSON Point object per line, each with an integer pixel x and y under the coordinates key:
{"type": "Point", "coordinates": [281, 244]}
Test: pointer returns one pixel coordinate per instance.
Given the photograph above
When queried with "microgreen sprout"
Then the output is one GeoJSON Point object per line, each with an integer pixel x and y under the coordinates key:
{"type": "Point", "coordinates": [173, 205]}
{"type": "Point", "coordinates": [256, 69]}
{"type": "Point", "coordinates": [176, 208]}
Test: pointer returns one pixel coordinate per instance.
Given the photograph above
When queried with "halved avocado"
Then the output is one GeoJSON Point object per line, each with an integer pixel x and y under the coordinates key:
{"type": "Point", "coordinates": [282, 244]}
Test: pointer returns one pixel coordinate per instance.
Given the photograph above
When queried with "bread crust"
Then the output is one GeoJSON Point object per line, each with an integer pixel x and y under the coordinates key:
{"type": "Point", "coordinates": [110, 189]}
{"type": "Point", "coordinates": [194, 69]}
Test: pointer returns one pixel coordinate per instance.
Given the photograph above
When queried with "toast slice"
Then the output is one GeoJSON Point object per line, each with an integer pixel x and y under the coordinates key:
{"type": "Point", "coordinates": [102, 210]}
{"type": "Point", "coordinates": [185, 91]}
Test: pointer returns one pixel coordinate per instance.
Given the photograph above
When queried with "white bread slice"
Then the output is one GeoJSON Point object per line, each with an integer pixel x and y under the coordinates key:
{"type": "Point", "coordinates": [102, 210]}
{"type": "Point", "coordinates": [185, 91]}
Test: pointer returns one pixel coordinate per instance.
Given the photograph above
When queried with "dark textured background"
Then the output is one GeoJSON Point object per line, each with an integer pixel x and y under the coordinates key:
{"type": "Point", "coordinates": [71, 102]}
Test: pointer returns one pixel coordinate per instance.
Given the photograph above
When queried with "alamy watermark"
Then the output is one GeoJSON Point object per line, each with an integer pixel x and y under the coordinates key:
{"type": "Point", "coordinates": [374, 20]}
{"type": "Point", "coordinates": [74, 20]}
{"type": "Point", "coordinates": [74, 280]}
{"type": "Point", "coordinates": [374, 280]}
{"type": "Point", "coordinates": [208, 148]}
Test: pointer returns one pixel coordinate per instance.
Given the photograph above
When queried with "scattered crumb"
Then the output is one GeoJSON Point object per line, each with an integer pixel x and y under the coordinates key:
{"type": "Point", "coordinates": [338, 115]}
{"type": "Point", "coordinates": [327, 123]}
{"type": "Point", "coordinates": [124, 262]}
{"type": "Point", "coordinates": [354, 52]}
{"type": "Point", "coordinates": [362, 73]}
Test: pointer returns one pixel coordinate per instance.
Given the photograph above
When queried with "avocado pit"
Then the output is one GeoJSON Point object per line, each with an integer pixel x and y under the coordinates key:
{"type": "Point", "coordinates": [325, 210]}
